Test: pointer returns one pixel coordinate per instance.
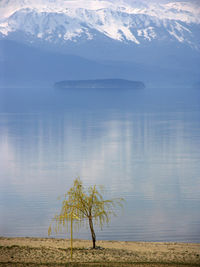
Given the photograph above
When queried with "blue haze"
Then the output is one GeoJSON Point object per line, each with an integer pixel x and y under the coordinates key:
{"type": "Point", "coordinates": [160, 66]}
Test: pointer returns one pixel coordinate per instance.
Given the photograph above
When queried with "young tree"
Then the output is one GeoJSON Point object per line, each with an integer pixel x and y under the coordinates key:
{"type": "Point", "coordinates": [86, 205]}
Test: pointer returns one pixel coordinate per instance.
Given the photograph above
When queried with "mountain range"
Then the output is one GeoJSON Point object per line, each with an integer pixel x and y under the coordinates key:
{"type": "Point", "coordinates": [148, 40]}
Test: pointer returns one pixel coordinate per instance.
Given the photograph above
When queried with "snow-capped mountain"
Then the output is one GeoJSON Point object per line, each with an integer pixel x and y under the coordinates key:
{"type": "Point", "coordinates": [125, 21]}
{"type": "Point", "coordinates": [154, 41]}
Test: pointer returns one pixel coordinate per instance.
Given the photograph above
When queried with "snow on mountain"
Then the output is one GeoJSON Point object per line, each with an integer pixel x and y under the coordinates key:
{"type": "Point", "coordinates": [122, 20]}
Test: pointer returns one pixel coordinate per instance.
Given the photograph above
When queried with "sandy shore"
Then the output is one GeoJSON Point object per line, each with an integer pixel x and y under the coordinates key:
{"type": "Point", "coordinates": [56, 252]}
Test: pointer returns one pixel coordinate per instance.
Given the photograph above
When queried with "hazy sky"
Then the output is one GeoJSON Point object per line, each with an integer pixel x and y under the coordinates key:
{"type": "Point", "coordinates": [163, 1]}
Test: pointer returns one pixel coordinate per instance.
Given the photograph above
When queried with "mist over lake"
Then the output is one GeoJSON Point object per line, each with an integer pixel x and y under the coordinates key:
{"type": "Point", "coordinates": [142, 145]}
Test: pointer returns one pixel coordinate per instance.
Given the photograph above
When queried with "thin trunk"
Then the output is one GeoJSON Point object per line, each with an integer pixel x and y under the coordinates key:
{"type": "Point", "coordinates": [92, 231]}
{"type": "Point", "coordinates": [71, 235]}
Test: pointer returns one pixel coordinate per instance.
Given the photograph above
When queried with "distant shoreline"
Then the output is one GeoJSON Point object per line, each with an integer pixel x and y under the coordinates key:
{"type": "Point", "coordinates": [100, 84]}
{"type": "Point", "coordinates": [24, 251]}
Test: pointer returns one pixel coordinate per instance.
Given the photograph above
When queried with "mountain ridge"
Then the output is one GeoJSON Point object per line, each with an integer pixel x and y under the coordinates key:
{"type": "Point", "coordinates": [78, 21]}
{"type": "Point", "coordinates": [151, 41]}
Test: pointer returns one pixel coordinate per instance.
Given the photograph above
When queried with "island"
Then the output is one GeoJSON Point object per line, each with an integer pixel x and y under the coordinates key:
{"type": "Point", "coordinates": [100, 84]}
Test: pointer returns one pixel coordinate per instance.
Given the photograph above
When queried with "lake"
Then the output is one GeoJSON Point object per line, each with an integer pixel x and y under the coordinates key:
{"type": "Point", "coordinates": [142, 145]}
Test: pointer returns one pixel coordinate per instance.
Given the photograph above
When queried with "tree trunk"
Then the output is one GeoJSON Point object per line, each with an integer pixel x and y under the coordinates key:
{"type": "Point", "coordinates": [92, 232]}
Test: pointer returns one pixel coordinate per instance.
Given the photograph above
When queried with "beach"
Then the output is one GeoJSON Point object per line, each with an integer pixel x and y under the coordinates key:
{"type": "Point", "coordinates": [28, 251]}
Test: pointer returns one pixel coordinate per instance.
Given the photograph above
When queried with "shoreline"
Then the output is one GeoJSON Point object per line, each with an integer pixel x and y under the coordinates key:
{"type": "Point", "coordinates": [32, 251]}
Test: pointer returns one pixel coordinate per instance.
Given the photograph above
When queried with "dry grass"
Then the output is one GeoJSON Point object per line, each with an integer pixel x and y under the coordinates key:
{"type": "Point", "coordinates": [56, 252]}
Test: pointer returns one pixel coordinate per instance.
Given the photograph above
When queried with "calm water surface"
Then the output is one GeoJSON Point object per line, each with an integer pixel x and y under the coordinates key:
{"type": "Point", "coordinates": [143, 145]}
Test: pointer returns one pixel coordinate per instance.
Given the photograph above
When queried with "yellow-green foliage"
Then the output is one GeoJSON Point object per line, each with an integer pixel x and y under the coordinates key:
{"type": "Point", "coordinates": [82, 204]}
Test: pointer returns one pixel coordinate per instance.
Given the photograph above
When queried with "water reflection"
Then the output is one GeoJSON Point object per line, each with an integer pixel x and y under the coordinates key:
{"type": "Point", "coordinates": [145, 153]}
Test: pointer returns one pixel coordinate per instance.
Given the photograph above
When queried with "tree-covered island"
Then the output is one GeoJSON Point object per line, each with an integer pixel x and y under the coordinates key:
{"type": "Point", "coordinates": [100, 84]}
